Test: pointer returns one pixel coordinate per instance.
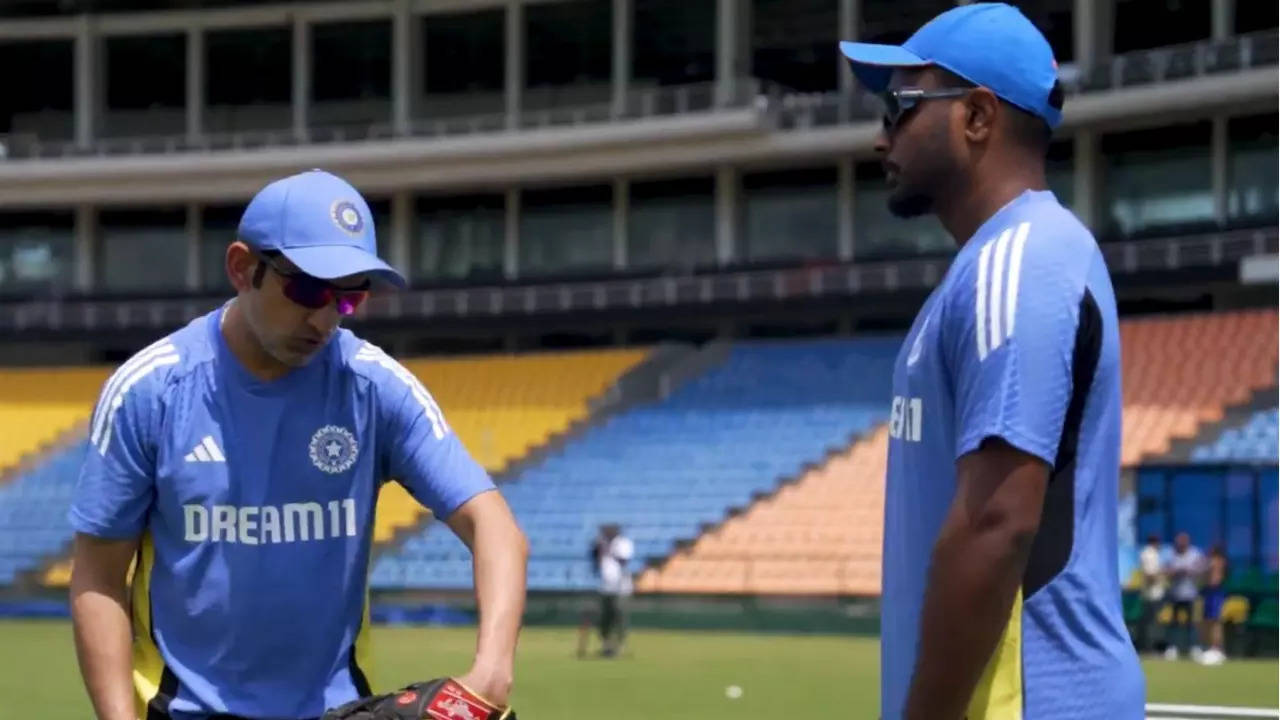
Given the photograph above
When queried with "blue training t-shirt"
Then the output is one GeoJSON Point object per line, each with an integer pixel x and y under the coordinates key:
{"type": "Point", "coordinates": [1021, 342]}
{"type": "Point", "coordinates": [254, 502]}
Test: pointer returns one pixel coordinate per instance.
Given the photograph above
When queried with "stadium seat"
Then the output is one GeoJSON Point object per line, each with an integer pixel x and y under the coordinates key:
{"type": "Point", "coordinates": [37, 406]}
{"type": "Point", "coordinates": [1254, 441]}
{"type": "Point", "coordinates": [668, 469]}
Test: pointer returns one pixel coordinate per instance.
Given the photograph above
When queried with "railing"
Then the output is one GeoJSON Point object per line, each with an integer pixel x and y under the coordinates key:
{"type": "Point", "coordinates": [789, 109]}
{"type": "Point", "coordinates": [643, 103]}
{"type": "Point", "coordinates": [1140, 67]}
{"type": "Point", "coordinates": [836, 280]}
{"type": "Point", "coordinates": [1163, 711]}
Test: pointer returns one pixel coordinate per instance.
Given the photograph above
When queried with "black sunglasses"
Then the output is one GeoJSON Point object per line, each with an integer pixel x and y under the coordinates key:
{"type": "Point", "coordinates": [312, 292]}
{"type": "Point", "coordinates": [899, 102]}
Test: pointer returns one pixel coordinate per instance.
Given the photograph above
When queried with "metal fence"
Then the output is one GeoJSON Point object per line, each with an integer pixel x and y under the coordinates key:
{"type": "Point", "coordinates": [1163, 711]}
{"type": "Point", "coordinates": [834, 280]}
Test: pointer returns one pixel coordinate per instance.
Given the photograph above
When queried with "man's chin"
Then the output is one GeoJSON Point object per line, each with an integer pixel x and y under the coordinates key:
{"type": "Point", "coordinates": [905, 205]}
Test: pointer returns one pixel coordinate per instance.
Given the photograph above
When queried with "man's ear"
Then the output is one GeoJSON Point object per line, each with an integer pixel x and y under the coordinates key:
{"type": "Point", "coordinates": [241, 266]}
{"type": "Point", "coordinates": [980, 109]}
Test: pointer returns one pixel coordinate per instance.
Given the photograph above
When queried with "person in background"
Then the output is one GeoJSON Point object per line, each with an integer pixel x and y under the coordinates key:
{"type": "Point", "coordinates": [1184, 570]}
{"type": "Point", "coordinates": [1214, 595]}
{"type": "Point", "coordinates": [612, 552]}
{"type": "Point", "coordinates": [1154, 586]}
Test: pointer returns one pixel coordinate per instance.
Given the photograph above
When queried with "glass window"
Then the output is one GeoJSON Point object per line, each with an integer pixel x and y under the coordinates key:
{"type": "Point", "coordinates": [351, 75]}
{"type": "Point", "coordinates": [878, 235]}
{"type": "Point", "coordinates": [37, 252]}
{"type": "Point", "coordinates": [1181, 21]}
{"type": "Point", "coordinates": [142, 251]}
{"type": "Point", "coordinates": [218, 230]}
{"type": "Point", "coordinates": [674, 41]}
{"type": "Point", "coordinates": [459, 238]}
{"type": "Point", "coordinates": [474, 41]}
{"type": "Point", "coordinates": [790, 215]}
{"type": "Point", "coordinates": [1255, 16]}
{"type": "Point", "coordinates": [38, 103]}
{"type": "Point", "coordinates": [1054, 18]}
{"type": "Point", "coordinates": [795, 43]}
{"type": "Point", "coordinates": [1157, 181]}
{"type": "Point", "coordinates": [568, 53]}
{"type": "Point", "coordinates": [156, 106]}
{"type": "Point", "coordinates": [893, 21]}
{"type": "Point", "coordinates": [1253, 186]}
{"type": "Point", "coordinates": [566, 231]}
{"type": "Point", "coordinates": [672, 225]}
{"type": "Point", "coordinates": [249, 82]}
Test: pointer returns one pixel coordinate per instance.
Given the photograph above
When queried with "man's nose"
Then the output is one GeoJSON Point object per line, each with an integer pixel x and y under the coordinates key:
{"type": "Point", "coordinates": [324, 320]}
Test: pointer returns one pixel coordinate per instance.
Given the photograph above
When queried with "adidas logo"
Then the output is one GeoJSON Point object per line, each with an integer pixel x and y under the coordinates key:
{"type": "Point", "coordinates": [206, 451]}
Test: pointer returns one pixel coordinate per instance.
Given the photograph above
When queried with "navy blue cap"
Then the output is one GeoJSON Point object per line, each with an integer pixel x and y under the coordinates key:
{"type": "Point", "coordinates": [989, 44]}
{"type": "Point", "coordinates": [320, 223]}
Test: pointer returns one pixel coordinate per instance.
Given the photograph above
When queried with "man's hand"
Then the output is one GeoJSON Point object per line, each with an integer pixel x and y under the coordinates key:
{"type": "Point", "coordinates": [439, 699]}
{"type": "Point", "coordinates": [489, 682]}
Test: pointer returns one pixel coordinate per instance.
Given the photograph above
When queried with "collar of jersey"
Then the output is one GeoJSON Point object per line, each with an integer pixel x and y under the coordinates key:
{"type": "Point", "coordinates": [998, 219]}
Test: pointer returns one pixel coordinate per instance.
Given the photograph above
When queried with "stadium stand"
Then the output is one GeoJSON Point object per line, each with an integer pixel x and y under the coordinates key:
{"type": "Point", "coordinates": [40, 405]}
{"type": "Point", "coordinates": [503, 406]}
{"type": "Point", "coordinates": [1182, 371]}
{"type": "Point", "coordinates": [667, 469]}
{"type": "Point", "coordinates": [821, 535]}
{"type": "Point", "coordinates": [33, 512]}
{"type": "Point", "coordinates": [1255, 441]}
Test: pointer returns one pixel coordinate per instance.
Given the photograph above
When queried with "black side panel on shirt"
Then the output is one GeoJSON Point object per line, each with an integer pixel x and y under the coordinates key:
{"type": "Point", "coordinates": [1051, 548]}
{"type": "Point", "coordinates": [158, 708]}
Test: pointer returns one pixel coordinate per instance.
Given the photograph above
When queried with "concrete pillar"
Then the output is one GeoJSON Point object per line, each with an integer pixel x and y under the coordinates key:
{"type": "Point", "coordinates": [1220, 174]}
{"type": "Point", "coordinates": [195, 82]}
{"type": "Point", "coordinates": [400, 251]}
{"type": "Point", "coordinates": [301, 75]}
{"type": "Point", "coordinates": [88, 79]}
{"type": "Point", "coordinates": [1087, 179]}
{"type": "Point", "coordinates": [195, 237]}
{"type": "Point", "coordinates": [621, 213]}
{"type": "Point", "coordinates": [727, 19]}
{"type": "Point", "coordinates": [406, 66]}
{"type": "Point", "coordinates": [514, 45]}
{"type": "Point", "coordinates": [1224, 19]}
{"type": "Point", "coordinates": [727, 214]}
{"type": "Point", "coordinates": [86, 228]}
{"type": "Point", "coordinates": [847, 21]}
{"type": "Point", "coordinates": [622, 29]}
{"type": "Point", "coordinates": [511, 233]}
{"type": "Point", "coordinates": [1094, 31]}
{"type": "Point", "coordinates": [844, 206]}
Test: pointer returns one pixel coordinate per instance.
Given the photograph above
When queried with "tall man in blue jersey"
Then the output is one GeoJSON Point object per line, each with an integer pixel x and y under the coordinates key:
{"type": "Point", "coordinates": [1001, 597]}
{"type": "Point", "coordinates": [239, 460]}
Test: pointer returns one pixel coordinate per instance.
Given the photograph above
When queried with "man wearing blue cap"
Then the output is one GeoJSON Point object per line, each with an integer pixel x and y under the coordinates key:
{"type": "Point", "coordinates": [239, 461]}
{"type": "Point", "coordinates": [1001, 596]}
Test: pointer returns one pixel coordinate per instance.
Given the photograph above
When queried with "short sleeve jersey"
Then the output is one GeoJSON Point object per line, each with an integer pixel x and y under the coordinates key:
{"type": "Point", "coordinates": [254, 502]}
{"type": "Point", "coordinates": [1019, 342]}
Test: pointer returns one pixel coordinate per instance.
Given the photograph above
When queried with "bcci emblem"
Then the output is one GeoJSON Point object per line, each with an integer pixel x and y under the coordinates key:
{"type": "Point", "coordinates": [346, 216]}
{"type": "Point", "coordinates": [333, 449]}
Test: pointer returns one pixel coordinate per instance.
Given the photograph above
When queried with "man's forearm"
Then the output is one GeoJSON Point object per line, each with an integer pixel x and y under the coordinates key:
{"type": "Point", "coordinates": [973, 578]}
{"type": "Point", "coordinates": [103, 638]}
{"type": "Point", "coordinates": [501, 554]}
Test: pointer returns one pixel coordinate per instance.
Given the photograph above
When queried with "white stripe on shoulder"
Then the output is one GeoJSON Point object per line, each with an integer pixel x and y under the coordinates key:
{"type": "Point", "coordinates": [980, 301]}
{"type": "Point", "coordinates": [112, 387]}
{"type": "Point", "coordinates": [1015, 276]}
{"type": "Point", "coordinates": [997, 288]}
{"type": "Point", "coordinates": [372, 353]}
{"type": "Point", "coordinates": [109, 412]}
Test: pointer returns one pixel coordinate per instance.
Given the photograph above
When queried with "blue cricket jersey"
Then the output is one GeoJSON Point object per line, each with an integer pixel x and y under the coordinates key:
{"type": "Point", "coordinates": [254, 502]}
{"type": "Point", "coordinates": [1020, 342]}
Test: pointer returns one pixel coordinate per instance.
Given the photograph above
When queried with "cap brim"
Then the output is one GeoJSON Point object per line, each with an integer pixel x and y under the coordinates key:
{"type": "Point", "coordinates": [874, 64]}
{"type": "Point", "coordinates": [329, 262]}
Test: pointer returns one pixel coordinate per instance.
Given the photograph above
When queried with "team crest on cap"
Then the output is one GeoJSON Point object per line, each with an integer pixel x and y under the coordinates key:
{"type": "Point", "coordinates": [346, 216]}
{"type": "Point", "coordinates": [333, 449]}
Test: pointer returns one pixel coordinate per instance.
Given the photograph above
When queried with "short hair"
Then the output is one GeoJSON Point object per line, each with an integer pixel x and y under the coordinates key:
{"type": "Point", "coordinates": [1027, 129]}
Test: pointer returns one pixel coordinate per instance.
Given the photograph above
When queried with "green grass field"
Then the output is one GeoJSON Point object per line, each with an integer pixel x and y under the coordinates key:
{"type": "Point", "coordinates": [667, 675]}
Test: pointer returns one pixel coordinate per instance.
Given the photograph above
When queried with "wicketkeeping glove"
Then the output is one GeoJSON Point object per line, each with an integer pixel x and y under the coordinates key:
{"type": "Point", "coordinates": [439, 699]}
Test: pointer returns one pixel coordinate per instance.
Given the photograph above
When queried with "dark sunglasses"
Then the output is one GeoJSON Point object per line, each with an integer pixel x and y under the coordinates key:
{"type": "Point", "coordinates": [312, 292]}
{"type": "Point", "coordinates": [899, 102]}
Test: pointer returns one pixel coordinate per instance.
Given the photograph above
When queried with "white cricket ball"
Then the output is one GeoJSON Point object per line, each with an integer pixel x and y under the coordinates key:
{"type": "Point", "coordinates": [733, 692]}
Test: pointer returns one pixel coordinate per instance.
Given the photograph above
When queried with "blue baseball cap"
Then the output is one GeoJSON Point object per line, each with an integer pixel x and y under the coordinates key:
{"type": "Point", "coordinates": [320, 223]}
{"type": "Point", "coordinates": [989, 44]}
